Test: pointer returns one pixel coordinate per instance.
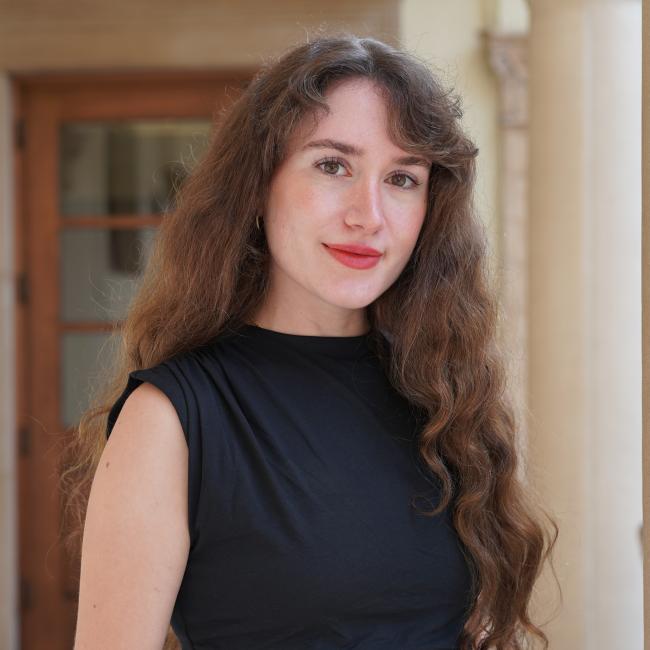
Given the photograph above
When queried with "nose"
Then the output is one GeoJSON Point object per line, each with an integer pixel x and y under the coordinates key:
{"type": "Point", "coordinates": [365, 208]}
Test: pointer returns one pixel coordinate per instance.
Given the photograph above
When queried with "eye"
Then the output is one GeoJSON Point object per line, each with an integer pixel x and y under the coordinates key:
{"type": "Point", "coordinates": [328, 165]}
{"type": "Point", "coordinates": [331, 164]}
{"type": "Point", "coordinates": [406, 178]}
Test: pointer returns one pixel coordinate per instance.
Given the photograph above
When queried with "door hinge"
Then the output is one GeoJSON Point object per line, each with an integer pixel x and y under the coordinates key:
{"type": "Point", "coordinates": [26, 595]}
{"type": "Point", "coordinates": [19, 135]}
{"type": "Point", "coordinates": [24, 440]}
{"type": "Point", "coordinates": [22, 288]}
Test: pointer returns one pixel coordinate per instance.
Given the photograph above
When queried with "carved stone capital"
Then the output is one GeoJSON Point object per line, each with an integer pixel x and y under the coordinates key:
{"type": "Point", "coordinates": [508, 58]}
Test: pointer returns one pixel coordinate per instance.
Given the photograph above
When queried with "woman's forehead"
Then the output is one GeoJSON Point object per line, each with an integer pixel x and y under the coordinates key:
{"type": "Point", "coordinates": [314, 136]}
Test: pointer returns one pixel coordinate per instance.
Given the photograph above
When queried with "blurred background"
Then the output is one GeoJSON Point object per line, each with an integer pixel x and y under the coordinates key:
{"type": "Point", "coordinates": [105, 106]}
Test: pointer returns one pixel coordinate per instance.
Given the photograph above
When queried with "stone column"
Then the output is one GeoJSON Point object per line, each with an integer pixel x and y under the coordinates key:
{"type": "Point", "coordinates": [584, 315]}
{"type": "Point", "coordinates": [508, 58]}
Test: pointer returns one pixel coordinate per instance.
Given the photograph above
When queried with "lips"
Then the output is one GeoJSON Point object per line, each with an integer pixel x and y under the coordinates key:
{"type": "Point", "coordinates": [358, 249]}
{"type": "Point", "coordinates": [354, 256]}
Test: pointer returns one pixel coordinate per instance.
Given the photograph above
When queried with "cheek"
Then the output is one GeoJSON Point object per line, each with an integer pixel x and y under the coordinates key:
{"type": "Point", "coordinates": [288, 221]}
{"type": "Point", "coordinates": [408, 229]}
{"type": "Point", "coordinates": [299, 218]}
{"type": "Point", "coordinates": [279, 233]}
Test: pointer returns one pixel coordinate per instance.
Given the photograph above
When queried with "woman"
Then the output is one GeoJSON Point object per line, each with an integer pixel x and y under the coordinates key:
{"type": "Point", "coordinates": [313, 448]}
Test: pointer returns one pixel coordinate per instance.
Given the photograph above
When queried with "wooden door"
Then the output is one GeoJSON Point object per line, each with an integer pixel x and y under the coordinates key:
{"type": "Point", "coordinates": [97, 157]}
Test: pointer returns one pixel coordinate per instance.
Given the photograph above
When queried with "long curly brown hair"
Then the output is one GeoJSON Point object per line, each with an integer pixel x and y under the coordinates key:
{"type": "Point", "coordinates": [208, 273]}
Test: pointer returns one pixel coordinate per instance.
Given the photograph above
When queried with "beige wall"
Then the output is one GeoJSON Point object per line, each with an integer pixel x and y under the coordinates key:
{"type": "Point", "coordinates": [447, 35]}
{"type": "Point", "coordinates": [46, 35]}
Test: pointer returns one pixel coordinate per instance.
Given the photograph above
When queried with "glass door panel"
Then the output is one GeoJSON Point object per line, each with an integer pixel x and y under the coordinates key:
{"type": "Point", "coordinates": [126, 167]}
{"type": "Point", "coordinates": [100, 270]}
{"type": "Point", "coordinates": [85, 357]}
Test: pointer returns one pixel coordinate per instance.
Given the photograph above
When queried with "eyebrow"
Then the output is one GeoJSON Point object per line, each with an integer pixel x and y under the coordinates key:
{"type": "Point", "coordinates": [351, 150]}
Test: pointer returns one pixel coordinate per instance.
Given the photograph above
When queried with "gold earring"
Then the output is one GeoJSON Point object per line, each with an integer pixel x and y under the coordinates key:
{"type": "Point", "coordinates": [257, 221]}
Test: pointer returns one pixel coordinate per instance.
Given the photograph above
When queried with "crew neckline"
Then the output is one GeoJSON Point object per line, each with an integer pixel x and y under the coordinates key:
{"type": "Point", "coordinates": [339, 346]}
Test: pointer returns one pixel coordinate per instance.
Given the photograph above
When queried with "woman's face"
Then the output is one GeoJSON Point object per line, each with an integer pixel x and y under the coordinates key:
{"type": "Point", "coordinates": [343, 183]}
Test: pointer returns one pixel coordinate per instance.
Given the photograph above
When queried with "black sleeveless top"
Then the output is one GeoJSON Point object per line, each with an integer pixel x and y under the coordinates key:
{"type": "Point", "coordinates": [302, 466]}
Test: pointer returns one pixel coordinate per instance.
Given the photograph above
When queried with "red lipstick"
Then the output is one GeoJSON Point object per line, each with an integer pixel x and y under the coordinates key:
{"type": "Point", "coordinates": [353, 255]}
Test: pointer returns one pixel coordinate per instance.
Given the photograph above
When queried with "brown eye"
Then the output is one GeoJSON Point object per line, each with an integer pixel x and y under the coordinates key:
{"type": "Point", "coordinates": [404, 184]}
{"type": "Point", "coordinates": [330, 167]}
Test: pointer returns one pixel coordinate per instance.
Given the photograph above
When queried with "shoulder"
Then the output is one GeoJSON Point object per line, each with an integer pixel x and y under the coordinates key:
{"type": "Point", "coordinates": [174, 387]}
{"type": "Point", "coordinates": [191, 380]}
{"type": "Point", "coordinates": [147, 420]}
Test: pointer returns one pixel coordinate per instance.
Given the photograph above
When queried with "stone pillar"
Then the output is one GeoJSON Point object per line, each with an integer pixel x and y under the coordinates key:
{"type": "Point", "coordinates": [584, 315]}
{"type": "Point", "coordinates": [508, 58]}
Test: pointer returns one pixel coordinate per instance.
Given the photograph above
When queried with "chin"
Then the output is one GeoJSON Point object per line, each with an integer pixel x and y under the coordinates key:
{"type": "Point", "coordinates": [351, 300]}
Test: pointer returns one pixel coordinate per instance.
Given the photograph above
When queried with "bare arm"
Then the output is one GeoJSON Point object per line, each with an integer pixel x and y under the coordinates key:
{"type": "Point", "coordinates": [136, 538]}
